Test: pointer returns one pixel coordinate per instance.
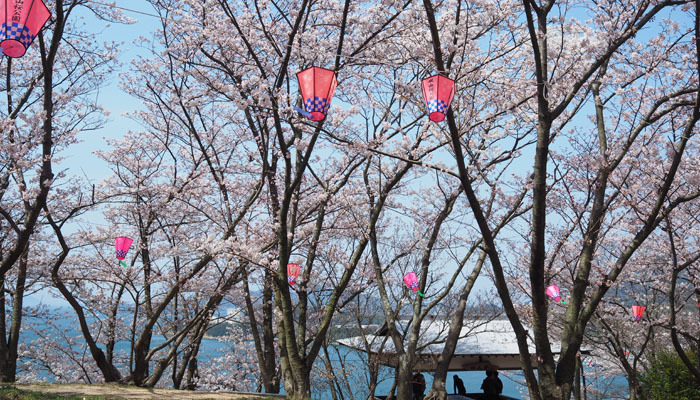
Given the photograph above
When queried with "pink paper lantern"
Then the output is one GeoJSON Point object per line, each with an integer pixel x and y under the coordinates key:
{"type": "Point", "coordinates": [438, 92]}
{"type": "Point", "coordinates": [21, 22]}
{"type": "Point", "coordinates": [553, 292]}
{"type": "Point", "coordinates": [411, 280]}
{"type": "Point", "coordinates": [292, 273]}
{"type": "Point", "coordinates": [317, 86]}
{"type": "Point", "coordinates": [638, 311]}
{"type": "Point", "coordinates": [122, 244]}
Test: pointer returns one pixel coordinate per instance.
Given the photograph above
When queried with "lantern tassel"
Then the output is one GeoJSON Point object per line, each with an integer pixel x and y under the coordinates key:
{"type": "Point", "coordinates": [122, 263]}
{"type": "Point", "coordinates": [421, 294]}
{"type": "Point", "coordinates": [303, 112]}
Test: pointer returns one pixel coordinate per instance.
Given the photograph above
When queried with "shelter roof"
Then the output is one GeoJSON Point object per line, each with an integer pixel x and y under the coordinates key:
{"type": "Point", "coordinates": [483, 344]}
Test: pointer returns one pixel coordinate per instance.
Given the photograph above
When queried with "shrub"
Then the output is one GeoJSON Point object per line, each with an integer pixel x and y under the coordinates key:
{"type": "Point", "coordinates": [669, 378]}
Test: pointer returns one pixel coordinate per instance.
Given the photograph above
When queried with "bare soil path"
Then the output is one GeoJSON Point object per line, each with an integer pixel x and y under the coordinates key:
{"type": "Point", "coordinates": [117, 392]}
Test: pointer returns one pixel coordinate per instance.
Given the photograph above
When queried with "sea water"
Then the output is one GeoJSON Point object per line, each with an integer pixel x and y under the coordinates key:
{"type": "Point", "coordinates": [352, 367]}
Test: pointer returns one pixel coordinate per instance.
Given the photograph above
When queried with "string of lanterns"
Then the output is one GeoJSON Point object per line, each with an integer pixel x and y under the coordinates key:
{"type": "Point", "coordinates": [553, 292]}
{"type": "Point", "coordinates": [317, 86]}
{"type": "Point", "coordinates": [23, 19]}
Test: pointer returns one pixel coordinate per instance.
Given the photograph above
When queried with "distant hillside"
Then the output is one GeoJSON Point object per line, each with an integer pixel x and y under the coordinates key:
{"type": "Point", "coordinates": [217, 330]}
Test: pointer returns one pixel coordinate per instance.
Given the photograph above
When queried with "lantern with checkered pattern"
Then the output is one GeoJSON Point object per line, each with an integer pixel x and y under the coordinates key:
{"type": "Point", "coordinates": [638, 312]}
{"type": "Point", "coordinates": [293, 273]}
{"type": "Point", "coordinates": [317, 86]}
{"type": "Point", "coordinates": [21, 22]}
{"type": "Point", "coordinates": [122, 245]}
{"type": "Point", "coordinates": [438, 92]}
{"type": "Point", "coordinates": [411, 280]}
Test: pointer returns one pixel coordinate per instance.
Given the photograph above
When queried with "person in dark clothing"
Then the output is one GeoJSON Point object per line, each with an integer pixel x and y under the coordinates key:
{"type": "Point", "coordinates": [418, 383]}
{"type": "Point", "coordinates": [492, 385]}
{"type": "Point", "coordinates": [459, 386]}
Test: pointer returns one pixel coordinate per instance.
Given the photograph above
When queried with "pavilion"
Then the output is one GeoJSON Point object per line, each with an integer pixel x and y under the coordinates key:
{"type": "Point", "coordinates": [483, 345]}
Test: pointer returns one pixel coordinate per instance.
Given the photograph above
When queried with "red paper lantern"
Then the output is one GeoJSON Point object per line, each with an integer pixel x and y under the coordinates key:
{"type": "Point", "coordinates": [553, 292]}
{"type": "Point", "coordinates": [122, 245]}
{"type": "Point", "coordinates": [317, 86]}
{"type": "Point", "coordinates": [438, 92]}
{"type": "Point", "coordinates": [292, 273]}
{"type": "Point", "coordinates": [638, 311]}
{"type": "Point", "coordinates": [21, 22]}
{"type": "Point", "coordinates": [411, 280]}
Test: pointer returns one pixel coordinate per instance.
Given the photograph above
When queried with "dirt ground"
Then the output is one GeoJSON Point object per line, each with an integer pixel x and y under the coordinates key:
{"type": "Point", "coordinates": [116, 392]}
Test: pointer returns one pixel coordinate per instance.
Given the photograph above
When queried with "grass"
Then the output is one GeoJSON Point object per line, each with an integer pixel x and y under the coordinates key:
{"type": "Point", "coordinates": [12, 393]}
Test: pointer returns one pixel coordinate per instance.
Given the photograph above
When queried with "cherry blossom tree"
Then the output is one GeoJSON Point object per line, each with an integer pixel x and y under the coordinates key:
{"type": "Point", "coordinates": [568, 157]}
{"type": "Point", "coordinates": [174, 244]}
{"type": "Point", "coordinates": [606, 66]}
{"type": "Point", "coordinates": [49, 102]}
{"type": "Point", "coordinates": [684, 289]}
{"type": "Point", "coordinates": [307, 198]}
{"type": "Point", "coordinates": [671, 252]}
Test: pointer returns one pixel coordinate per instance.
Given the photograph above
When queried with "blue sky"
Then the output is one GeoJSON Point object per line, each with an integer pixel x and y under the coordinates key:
{"type": "Point", "coordinates": [80, 157]}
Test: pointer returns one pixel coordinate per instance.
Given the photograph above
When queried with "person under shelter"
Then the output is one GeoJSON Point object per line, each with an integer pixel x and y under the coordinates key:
{"type": "Point", "coordinates": [459, 386]}
{"type": "Point", "coordinates": [418, 384]}
{"type": "Point", "coordinates": [492, 385]}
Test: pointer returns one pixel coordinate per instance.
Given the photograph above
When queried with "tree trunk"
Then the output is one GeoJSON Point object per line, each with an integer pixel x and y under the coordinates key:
{"type": "Point", "coordinates": [8, 350]}
{"type": "Point", "coordinates": [141, 349]}
{"type": "Point", "coordinates": [297, 380]}
{"type": "Point", "coordinates": [189, 361]}
{"type": "Point", "coordinates": [133, 335]}
{"type": "Point", "coordinates": [634, 387]}
{"type": "Point", "coordinates": [140, 374]}
{"type": "Point", "coordinates": [265, 346]}
{"type": "Point", "coordinates": [10, 367]}
{"type": "Point", "coordinates": [287, 378]}
{"type": "Point", "coordinates": [163, 363]}
{"type": "Point", "coordinates": [392, 391]}
{"type": "Point", "coordinates": [179, 371]}
{"type": "Point", "coordinates": [373, 366]}
{"type": "Point", "coordinates": [577, 381]}
{"type": "Point", "coordinates": [4, 351]}
{"type": "Point", "coordinates": [302, 380]}
{"type": "Point", "coordinates": [176, 376]}
{"type": "Point", "coordinates": [109, 372]}
{"type": "Point", "coordinates": [405, 389]}
{"type": "Point", "coordinates": [198, 325]}
{"type": "Point", "coordinates": [111, 326]}
{"type": "Point", "coordinates": [330, 374]}
{"type": "Point", "coordinates": [439, 389]}
{"type": "Point", "coordinates": [192, 374]}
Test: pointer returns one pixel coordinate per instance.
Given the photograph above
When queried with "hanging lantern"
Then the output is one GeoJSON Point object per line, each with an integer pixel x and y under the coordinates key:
{"type": "Point", "coordinates": [438, 92]}
{"type": "Point", "coordinates": [553, 292]}
{"type": "Point", "coordinates": [411, 280]}
{"type": "Point", "coordinates": [317, 86]}
{"type": "Point", "coordinates": [122, 244]}
{"type": "Point", "coordinates": [292, 273]}
{"type": "Point", "coordinates": [638, 311]}
{"type": "Point", "coordinates": [21, 22]}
